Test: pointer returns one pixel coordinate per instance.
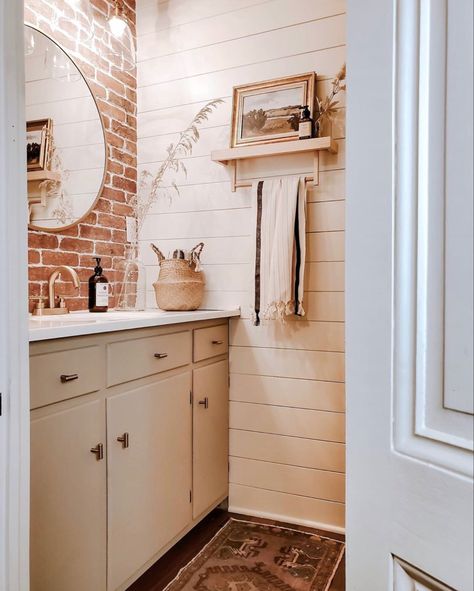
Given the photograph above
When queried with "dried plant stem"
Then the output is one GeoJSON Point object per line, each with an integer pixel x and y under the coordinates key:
{"type": "Point", "coordinates": [147, 193]}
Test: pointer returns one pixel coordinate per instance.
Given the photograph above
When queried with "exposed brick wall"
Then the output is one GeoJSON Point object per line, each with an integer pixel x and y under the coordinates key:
{"type": "Point", "coordinates": [102, 232]}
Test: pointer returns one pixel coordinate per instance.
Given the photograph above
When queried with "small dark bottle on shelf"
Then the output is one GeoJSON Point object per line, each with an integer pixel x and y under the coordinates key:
{"type": "Point", "coordinates": [98, 290]}
{"type": "Point", "coordinates": [306, 124]}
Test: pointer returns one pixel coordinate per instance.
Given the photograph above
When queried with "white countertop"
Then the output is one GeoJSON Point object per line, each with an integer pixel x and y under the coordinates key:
{"type": "Point", "coordinates": [75, 324]}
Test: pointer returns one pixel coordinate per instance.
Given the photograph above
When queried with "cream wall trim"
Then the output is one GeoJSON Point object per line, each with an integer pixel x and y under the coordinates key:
{"type": "Point", "coordinates": [286, 382]}
{"type": "Point", "coordinates": [14, 422]}
{"type": "Point", "coordinates": [269, 504]}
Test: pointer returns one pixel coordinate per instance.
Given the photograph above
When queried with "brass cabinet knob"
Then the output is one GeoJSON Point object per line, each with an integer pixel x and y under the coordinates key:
{"type": "Point", "coordinates": [69, 377]}
{"type": "Point", "coordinates": [161, 355]}
{"type": "Point", "coordinates": [204, 402]}
{"type": "Point", "coordinates": [124, 440]}
{"type": "Point", "coordinates": [98, 450]}
{"type": "Point", "coordinates": [217, 342]}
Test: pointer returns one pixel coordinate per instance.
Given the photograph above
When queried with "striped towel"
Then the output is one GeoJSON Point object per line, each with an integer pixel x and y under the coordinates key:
{"type": "Point", "coordinates": [279, 209]}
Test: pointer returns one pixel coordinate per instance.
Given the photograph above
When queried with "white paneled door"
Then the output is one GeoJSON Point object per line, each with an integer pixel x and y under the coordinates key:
{"type": "Point", "coordinates": [409, 298]}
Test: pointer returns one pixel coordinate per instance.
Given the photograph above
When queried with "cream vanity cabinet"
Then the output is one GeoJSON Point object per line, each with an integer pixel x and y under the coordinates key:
{"type": "Point", "coordinates": [129, 449]}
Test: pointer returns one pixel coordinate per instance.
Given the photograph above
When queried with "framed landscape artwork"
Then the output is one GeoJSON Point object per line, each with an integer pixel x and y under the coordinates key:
{"type": "Point", "coordinates": [37, 143]}
{"type": "Point", "coordinates": [266, 112]}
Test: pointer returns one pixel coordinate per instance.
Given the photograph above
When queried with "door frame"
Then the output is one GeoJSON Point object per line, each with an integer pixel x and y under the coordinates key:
{"type": "Point", "coordinates": [14, 370]}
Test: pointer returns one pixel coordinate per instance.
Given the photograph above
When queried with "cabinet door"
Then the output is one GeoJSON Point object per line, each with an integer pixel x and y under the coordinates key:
{"type": "Point", "coordinates": [149, 481]}
{"type": "Point", "coordinates": [68, 501]}
{"type": "Point", "coordinates": [211, 435]}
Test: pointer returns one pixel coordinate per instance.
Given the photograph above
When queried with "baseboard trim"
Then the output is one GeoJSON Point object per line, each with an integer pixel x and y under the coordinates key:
{"type": "Point", "coordinates": [287, 519]}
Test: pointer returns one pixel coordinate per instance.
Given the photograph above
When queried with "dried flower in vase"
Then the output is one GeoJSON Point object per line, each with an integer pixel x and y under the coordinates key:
{"type": "Point", "coordinates": [327, 108]}
{"type": "Point", "coordinates": [149, 185]}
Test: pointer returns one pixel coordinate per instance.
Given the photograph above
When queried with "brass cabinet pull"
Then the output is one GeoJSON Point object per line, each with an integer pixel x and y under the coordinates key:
{"type": "Point", "coordinates": [204, 402]}
{"type": "Point", "coordinates": [69, 377]}
{"type": "Point", "coordinates": [124, 440]}
{"type": "Point", "coordinates": [98, 450]}
{"type": "Point", "coordinates": [161, 355]}
{"type": "Point", "coordinates": [217, 342]}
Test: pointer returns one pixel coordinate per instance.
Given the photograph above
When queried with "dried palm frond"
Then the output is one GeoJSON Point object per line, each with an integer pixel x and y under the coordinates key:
{"type": "Point", "coordinates": [149, 185]}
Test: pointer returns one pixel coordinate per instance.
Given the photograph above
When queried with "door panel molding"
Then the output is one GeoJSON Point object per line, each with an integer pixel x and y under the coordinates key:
{"type": "Point", "coordinates": [408, 578]}
{"type": "Point", "coordinates": [424, 428]}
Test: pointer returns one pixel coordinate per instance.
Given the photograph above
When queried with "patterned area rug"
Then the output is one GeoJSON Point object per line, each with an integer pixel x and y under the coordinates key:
{"type": "Point", "coordinates": [246, 556]}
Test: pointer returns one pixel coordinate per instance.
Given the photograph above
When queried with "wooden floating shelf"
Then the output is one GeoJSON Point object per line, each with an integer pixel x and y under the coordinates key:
{"type": "Point", "coordinates": [276, 149]}
{"type": "Point", "coordinates": [39, 176]}
{"type": "Point", "coordinates": [230, 156]}
{"type": "Point", "coordinates": [37, 194]}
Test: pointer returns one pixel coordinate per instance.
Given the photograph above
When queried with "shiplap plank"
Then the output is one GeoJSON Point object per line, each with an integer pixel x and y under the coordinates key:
{"type": "Point", "coordinates": [309, 336]}
{"type": "Point", "coordinates": [324, 246]}
{"type": "Point", "coordinates": [326, 306]}
{"type": "Point", "coordinates": [268, 45]}
{"type": "Point", "coordinates": [223, 251]}
{"type": "Point", "coordinates": [218, 195]}
{"type": "Point", "coordinates": [294, 451]}
{"type": "Point", "coordinates": [216, 84]}
{"type": "Point", "coordinates": [287, 363]}
{"type": "Point", "coordinates": [284, 507]}
{"type": "Point", "coordinates": [332, 186]}
{"type": "Point", "coordinates": [324, 276]}
{"type": "Point", "coordinates": [201, 225]}
{"type": "Point", "coordinates": [247, 21]}
{"type": "Point", "coordinates": [153, 149]}
{"type": "Point", "coordinates": [156, 15]}
{"type": "Point", "coordinates": [294, 422]}
{"type": "Point", "coordinates": [296, 393]}
{"type": "Point", "coordinates": [325, 216]}
{"type": "Point", "coordinates": [295, 480]}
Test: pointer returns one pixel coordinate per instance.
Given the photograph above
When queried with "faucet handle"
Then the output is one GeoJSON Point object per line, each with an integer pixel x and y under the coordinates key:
{"type": "Point", "coordinates": [40, 303]}
{"type": "Point", "coordinates": [40, 299]}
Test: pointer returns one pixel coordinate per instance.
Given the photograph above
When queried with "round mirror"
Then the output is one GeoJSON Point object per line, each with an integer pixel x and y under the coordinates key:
{"type": "Point", "coordinates": [65, 139]}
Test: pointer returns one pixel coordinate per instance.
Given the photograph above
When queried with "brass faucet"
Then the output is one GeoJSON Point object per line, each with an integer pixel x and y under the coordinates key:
{"type": "Point", "coordinates": [61, 308]}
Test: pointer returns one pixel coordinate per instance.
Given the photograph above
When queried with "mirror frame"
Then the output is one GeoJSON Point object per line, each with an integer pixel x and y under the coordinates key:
{"type": "Point", "coordinates": [106, 148]}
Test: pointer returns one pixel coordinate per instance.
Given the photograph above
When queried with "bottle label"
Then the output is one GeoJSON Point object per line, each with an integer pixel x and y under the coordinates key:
{"type": "Point", "coordinates": [305, 129]}
{"type": "Point", "coordinates": [101, 294]}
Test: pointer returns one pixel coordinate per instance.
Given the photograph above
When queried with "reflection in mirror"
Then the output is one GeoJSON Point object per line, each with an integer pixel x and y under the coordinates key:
{"type": "Point", "coordinates": [66, 151]}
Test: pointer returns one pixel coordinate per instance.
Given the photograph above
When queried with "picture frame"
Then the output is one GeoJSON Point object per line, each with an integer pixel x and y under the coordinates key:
{"type": "Point", "coordinates": [267, 112]}
{"type": "Point", "coordinates": [38, 135]}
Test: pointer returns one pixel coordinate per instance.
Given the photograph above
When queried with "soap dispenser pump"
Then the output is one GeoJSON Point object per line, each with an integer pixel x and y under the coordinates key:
{"type": "Point", "coordinates": [98, 290]}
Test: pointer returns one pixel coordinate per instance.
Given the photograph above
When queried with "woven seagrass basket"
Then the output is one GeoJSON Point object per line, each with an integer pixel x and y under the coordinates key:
{"type": "Point", "coordinates": [179, 287]}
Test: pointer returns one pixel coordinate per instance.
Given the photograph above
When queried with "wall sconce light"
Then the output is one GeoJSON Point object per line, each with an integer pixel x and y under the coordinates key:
{"type": "Point", "coordinates": [122, 44]}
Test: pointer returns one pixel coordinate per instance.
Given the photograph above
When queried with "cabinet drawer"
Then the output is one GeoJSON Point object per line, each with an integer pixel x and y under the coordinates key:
{"type": "Point", "coordinates": [138, 358]}
{"type": "Point", "coordinates": [209, 342]}
{"type": "Point", "coordinates": [64, 374]}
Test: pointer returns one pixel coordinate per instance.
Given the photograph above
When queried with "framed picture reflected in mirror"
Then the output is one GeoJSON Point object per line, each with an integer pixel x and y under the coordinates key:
{"type": "Point", "coordinates": [38, 134]}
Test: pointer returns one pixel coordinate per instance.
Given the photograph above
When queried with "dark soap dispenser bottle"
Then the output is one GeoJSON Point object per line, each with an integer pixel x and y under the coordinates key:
{"type": "Point", "coordinates": [98, 290]}
{"type": "Point", "coordinates": [306, 124]}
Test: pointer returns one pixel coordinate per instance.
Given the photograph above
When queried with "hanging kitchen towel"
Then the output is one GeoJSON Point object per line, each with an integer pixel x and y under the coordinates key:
{"type": "Point", "coordinates": [279, 208]}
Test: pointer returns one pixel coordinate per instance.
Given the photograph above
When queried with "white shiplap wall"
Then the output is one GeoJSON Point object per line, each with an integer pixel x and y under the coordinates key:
{"type": "Point", "coordinates": [287, 381]}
